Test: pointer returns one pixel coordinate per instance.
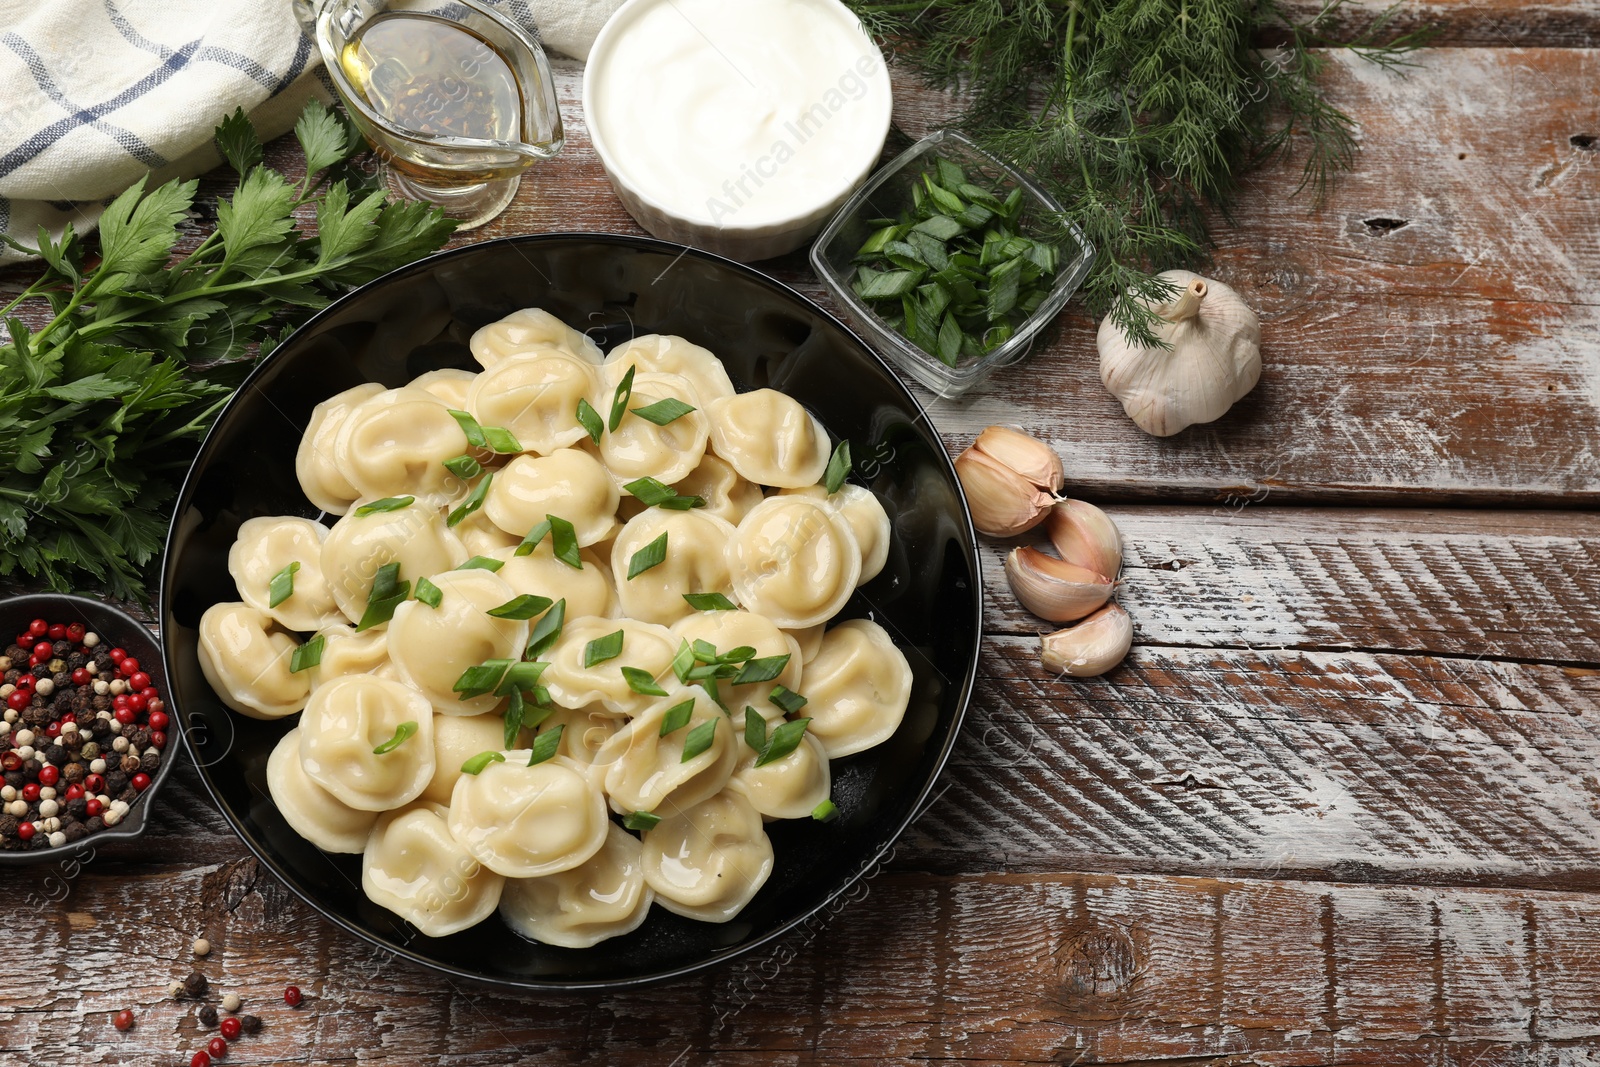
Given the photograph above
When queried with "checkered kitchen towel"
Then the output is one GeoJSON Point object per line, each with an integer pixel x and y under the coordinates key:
{"type": "Point", "coordinates": [96, 93]}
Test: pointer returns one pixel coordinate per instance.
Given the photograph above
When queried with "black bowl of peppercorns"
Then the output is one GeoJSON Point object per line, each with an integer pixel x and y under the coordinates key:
{"type": "Point", "coordinates": [84, 741]}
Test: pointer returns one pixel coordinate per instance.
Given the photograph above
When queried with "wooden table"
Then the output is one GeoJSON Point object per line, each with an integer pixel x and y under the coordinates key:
{"type": "Point", "coordinates": [1341, 805]}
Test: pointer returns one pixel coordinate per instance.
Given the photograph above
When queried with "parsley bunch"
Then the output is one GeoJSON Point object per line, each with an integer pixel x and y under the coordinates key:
{"type": "Point", "coordinates": [100, 407]}
{"type": "Point", "coordinates": [1139, 116]}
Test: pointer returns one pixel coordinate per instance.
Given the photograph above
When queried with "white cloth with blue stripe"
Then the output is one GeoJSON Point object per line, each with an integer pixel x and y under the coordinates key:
{"type": "Point", "coordinates": [96, 93]}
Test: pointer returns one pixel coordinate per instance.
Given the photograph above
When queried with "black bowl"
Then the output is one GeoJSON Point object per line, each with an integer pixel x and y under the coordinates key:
{"type": "Point", "coordinates": [118, 629]}
{"type": "Point", "coordinates": [419, 318]}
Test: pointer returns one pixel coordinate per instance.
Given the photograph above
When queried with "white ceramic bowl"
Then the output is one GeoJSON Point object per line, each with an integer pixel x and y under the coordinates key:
{"type": "Point", "coordinates": [710, 217]}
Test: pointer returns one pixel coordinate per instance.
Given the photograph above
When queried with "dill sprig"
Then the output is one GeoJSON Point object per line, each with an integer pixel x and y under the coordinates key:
{"type": "Point", "coordinates": [1140, 116]}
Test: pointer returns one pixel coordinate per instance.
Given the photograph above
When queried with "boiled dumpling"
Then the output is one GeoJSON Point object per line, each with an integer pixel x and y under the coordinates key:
{"type": "Point", "coordinates": [727, 496]}
{"type": "Point", "coordinates": [603, 897]}
{"type": "Point", "coordinates": [310, 810]}
{"type": "Point", "coordinates": [524, 822]}
{"type": "Point", "coordinates": [863, 512]}
{"type": "Point", "coordinates": [396, 444]}
{"type": "Point", "coordinates": [666, 354]}
{"type": "Point", "coordinates": [478, 533]}
{"type": "Point", "coordinates": [529, 329]}
{"type": "Point", "coordinates": [696, 562]}
{"type": "Point", "coordinates": [583, 732]}
{"type": "Point", "coordinates": [345, 651]}
{"type": "Point", "coordinates": [535, 396]}
{"type": "Point", "coordinates": [638, 448]}
{"type": "Point", "coordinates": [456, 739]}
{"type": "Point", "coordinates": [433, 646]}
{"type": "Point", "coordinates": [645, 770]}
{"type": "Point", "coordinates": [323, 483]}
{"type": "Point", "coordinates": [725, 630]}
{"type": "Point", "coordinates": [809, 638]}
{"type": "Point", "coordinates": [359, 545]}
{"type": "Point", "coordinates": [413, 867]}
{"type": "Point", "coordinates": [346, 720]}
{"type": "Point", "coordinates": [247, 661]}
{"type": "Point", "coordinates": [448, 384]}
{"type": "Point", "coordinates": [769, 438]}
{"type": "Point", "coordinates": [707, 862]}
{"type": "Point", "coordinates": [645, 646]}
{"type": "Point", "coordinates": [586, 590]}
{"type": "Point", "coordinates": [262, 548]}
{"type": "Point", "coordinates": [569, 484]}
{"type": "Point", "coordinates": [858, 688]}
{"type": "Point", "coordinates": [793, 561]}
{"type": "Point", "coordinates": [789, 787]}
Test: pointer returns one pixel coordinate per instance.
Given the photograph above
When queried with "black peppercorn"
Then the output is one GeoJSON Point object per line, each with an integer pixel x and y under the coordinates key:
{"type": "Point", "coordinates": [195, 985]}
{"type": "Point", "coordinates": [74, 772]}
{"type": "Point", "coordinates": [12, 675]}
{"type": "Point", "coordinates": [76, 660]}
{"type": "Point", "coordinates": [78, 808]}
{"type": "Point", "coordinates": [8, 826]}
{"type": "Point", "coordinates": [249, 1024]}
{"type": "Point", "coordinates": [208, 1014]}
{"type": "Point", "coordinates": [150, 761]}
{"type": "Point", "coordinates": [40, 670]}
{"type": "Point", "coordinates": [94, 824]}
{"type": "Point", "coordinates": [128, 795]}
{"type": "Point", "coordinates": [61, 649]}
{"type": "Point", "coordinates": [101, 702]}
{"type": "Point", "coordinates": [36, 714]}
{"type": "Point", "coordinates": [129, 764]}
{"type": "Point", "coordinates": [56, 753]}
{"type": "Point", "coordinates": [140, 738]}
{"type": "Point", "coordinates": [30, 767]}
{"type": "Point", "coordinates": [16, 779]}
{"type": "Point", "coordinates": [116, 781]}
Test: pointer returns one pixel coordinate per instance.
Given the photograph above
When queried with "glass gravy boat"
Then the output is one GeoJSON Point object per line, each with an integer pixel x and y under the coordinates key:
{"type": "Point", "coordinates": [456, 99]}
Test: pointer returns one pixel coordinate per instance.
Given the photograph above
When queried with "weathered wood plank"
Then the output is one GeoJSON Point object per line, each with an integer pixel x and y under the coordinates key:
{"type": "Point", "coordinates": [1000, 969]}
{"type": "Point", "coordinates": [1481, 23]}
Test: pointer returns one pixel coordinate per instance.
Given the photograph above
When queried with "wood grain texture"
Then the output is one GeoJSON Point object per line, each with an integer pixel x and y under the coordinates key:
{"type": "Point", "coordinates": [1480, 23]}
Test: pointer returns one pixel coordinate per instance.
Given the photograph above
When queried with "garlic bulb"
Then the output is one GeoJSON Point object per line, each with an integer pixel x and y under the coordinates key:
{"type": "Point", "coordinates": [1214, 360]}
{"type": "Point", "coordinates": [1008, 477]}
{"type": "Point", "coordinates": [1090, 648]}
{"type": "Point", "coordinates": [1054, 589]}
{"type": "Point", "coordinates": [1085, 535]}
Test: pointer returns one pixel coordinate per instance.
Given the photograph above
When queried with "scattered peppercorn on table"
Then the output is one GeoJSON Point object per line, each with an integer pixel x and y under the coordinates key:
{"type": "Point", "coordinates": [1338, 805]}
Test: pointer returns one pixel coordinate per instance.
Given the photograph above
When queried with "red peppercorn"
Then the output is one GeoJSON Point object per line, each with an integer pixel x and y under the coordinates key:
{"type": "Point", "coordinates": [218, 1048]}
{"type": "Point", "coordinates": [123, 1020]}
{"type": "Point", "coordinates": [57, 632]}
{"type": "Point", "coordinates": [158, 720]}
{"type": "Point", "coordinates": [25, 831]}
{"type": "Point", "coordinates": [75, 791]}
{"type": "Point", "coordinates": [81, 676]}
{"type": "Point", "coordinates": [37, 629]}
{"type": "Point", "coordinates": [291, 996]}
{"type": "Point", "coordinates": [139, 681]}
{"type": "Point", "coordinates": [11, 761]}
{"type": "Point", "coordinates": [158, 738]}
{"type": "Point", "coordinates": [94, 783]}
{"type": "Point", "coordinates": [75, 632]}
{"type": "Point", "coordinates": [230, 1028]}
{"type": "Point", "coordinates": [154, 705]}
{"type": "Point", "coordinates": [128, 667]}
{"type": "Point", "coordinates": [18, 699]}
{"type": "Point", "coordinates": [200, 1059]}
{"type": "Point", "coordinates": [26, 681]}
{"type": "Point", "coordinates": [53, 730]}
{"type": "Point", "coordinates": [116, 655]}
{"type": "Point", "coordinates": [136, 702]}
{"type": "Point", "coordinates": [30, 792]}
{"type": "Point", "coordinates": [92, 806]}
{"type": "Point", "coordinates": [43, 648]}
{"type": "Point", "coordinates": [49, 774]}
{"type": "Point", "coordinates": [125, 715]}
{"type": "Point", "coordinates": [141, 781]}
{"type": "Point", "coordinates": [120, 700]}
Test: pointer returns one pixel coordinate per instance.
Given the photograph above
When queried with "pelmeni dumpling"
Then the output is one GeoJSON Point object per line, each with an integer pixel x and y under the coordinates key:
{"type": "Point", "coordinates": [433, 646]}
{"type": "Point", "coordinates": [638, 448]}
{"type": "Point", "coordinates": [323, 483]}
{"type": "Point", "coordinates": [583, 732]}
{"type": "Point", "coordinates": [456, 739]}
{"type": "Point", "coordinates": [535, 396]}
{"type": "Point", "coordinates": [478, 533]}
{"type": "Point", "coordinates": [708, 861]}
{"type": "Point", "coordinates": [525, 822]}
{"type": "Point", "coordinates": [809, 638]}
{"type": "Point", "coordinates": [346, 651]}
{"type": "Point", "coordinates": [265, 546]}
{"type": "Point", "coordinates": [587, 589]}
{"type": "Point", "coordinates": [569, 484]}
{"type": "Point", "coordinates": [789, 787]}
{"type": "Point", "coordinates": [530, 328]}
{"type": "Point", "coordinates": [349, 717]}
{"type": "Point", "coordinates": [310, 810]}
{"type": "Point", "coordinates": [727, 630]}
{"type": "Point", "coordinates": [601, 898]}
{"type": "Point", "coordinates": [769, 438]}
{"type": "Point", "coordinates": [696, 562]}
{"type": "Point", "coordinates": [416, 537]}
{"type": "Point", "coordinates": [793, 561]}
{"type": "Point", "coordinates": [645, 646]}
{"type": "Point", "coordinates": [858, 687]}
{"type": "Point", "coordinates": [246, 660]}
{"type": "Point", "coordinates": [413, 867]}
{"type": "Point", "coordinates": [645, 770]}
{"type": "Point", "coordinates": [863, 511]}
{"type": "Point", "coordinates": [448, 384]}
{"type": "Point", "coordinates": [396, 443]}
{"type": "Point", "coordinates": [727, 496]}
{"type": "Point", "coordinates": [667, 354]}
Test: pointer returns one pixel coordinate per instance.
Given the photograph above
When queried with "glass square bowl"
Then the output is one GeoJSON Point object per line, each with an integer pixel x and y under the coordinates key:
{"type": "Point", "coordinates": [885, 195]}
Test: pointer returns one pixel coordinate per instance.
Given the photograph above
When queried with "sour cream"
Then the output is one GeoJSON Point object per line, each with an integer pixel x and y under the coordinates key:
{"type": "Point", "coordinates": [735, 116]}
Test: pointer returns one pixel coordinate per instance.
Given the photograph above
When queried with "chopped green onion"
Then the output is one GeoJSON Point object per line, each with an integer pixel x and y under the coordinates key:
{"type": "Point", "coordinates": [428, 593]}
{"type": "Point", "coordinates": [515, 710]}
{"type": "Point", "coordinates": [736, 655]}
{"type": "Point", "coordinates": [538, 712]}
{"type": "Point", "coordinates": [464, 467]}
{"type": "Point", "coordinates": [641, 681]}
{"type": "Point", "coordinates": [827, 811]}
{"type": "Point", "coordinates": [483, 678]}
{"type": "Point", "coordinates": [664, 411]}
{"type": "Point", "coordinates": [603, 648]}
{"type": "Point", "coordinates": [755, 729]}
{"type": "Point", "coordinates": [473, 502]}
{"type": "Point", "coordinates": [710, 602]}
{"type": "Point", "coordinates": [402, 734]}
{"type": "Point", "coordinates": [786, 699]}
{"type": "Point", "coordinates": [535, 535]}
{"type": "Point", "coordinates": [590, 420]}
{"type": "Point", "coordinates": [784, 740]}
{"type": "Point", "coordinates": [683, 662]}
{"type": "Point", "coordinates": [650, 492]}
{"type": "Point", "coordinates": [388, 593]}
{"type": "Point", "coordinates": [838, 468]}
{"type": "Point", "coordinates": [761, 670]}
{"type": "Point", "coordinates": [307, 655]}
{"type": "Point", "coordinates": [683, 503]}
{"type": "Point", "coordinates": [547, 629]}
{"type": "Point", "coordinates": [482, 563]}
{"type": "Point", "coordinates": [705, 651]}
{"type": "Point", "coordinates": [699, 739]}
{"type": "Point", "coordinates": [545, 745]}
{"type": "Point", "coordinates": [640, 820]}
{"type": "Point", "coordinates": [677, 717]}
{"type": "Point", "coordinates": [520, 677]}
{"type": "Point", "coordinates": [650, 555]}
{"type": "Point", "coordinates": [281, 587]}
{"type": "Point", "coordinates": [388, 503]}
{"type": "Point", "coordinates": [619, 400]}
{"type": "Point", "coordinates": [470, 427]}
{"type": "Point", "coordinates": [501, 440]}
{"type": "Point", "coordinates": [564, 542]}
{"type": "Point", "coordinates": [525, 606]}
{"type": "Point", "coordinates": [477, 763]}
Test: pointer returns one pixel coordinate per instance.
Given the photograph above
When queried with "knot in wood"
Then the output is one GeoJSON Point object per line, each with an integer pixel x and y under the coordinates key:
{"type": "Point", "coordinates": [1097, 961]}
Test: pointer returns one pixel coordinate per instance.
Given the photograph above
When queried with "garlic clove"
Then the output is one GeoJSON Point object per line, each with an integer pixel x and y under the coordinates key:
{"type": "Point", "coordinates": [1085, 535]}
{"type": "Point", "coordinates": [1055, 589]}
{"type": "Point", "coordinates": [1090, 648]}
{"type": "Point", "coordinates": [1003, 502]}
{"type": "Point", "coordinates": [1023, 453]}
